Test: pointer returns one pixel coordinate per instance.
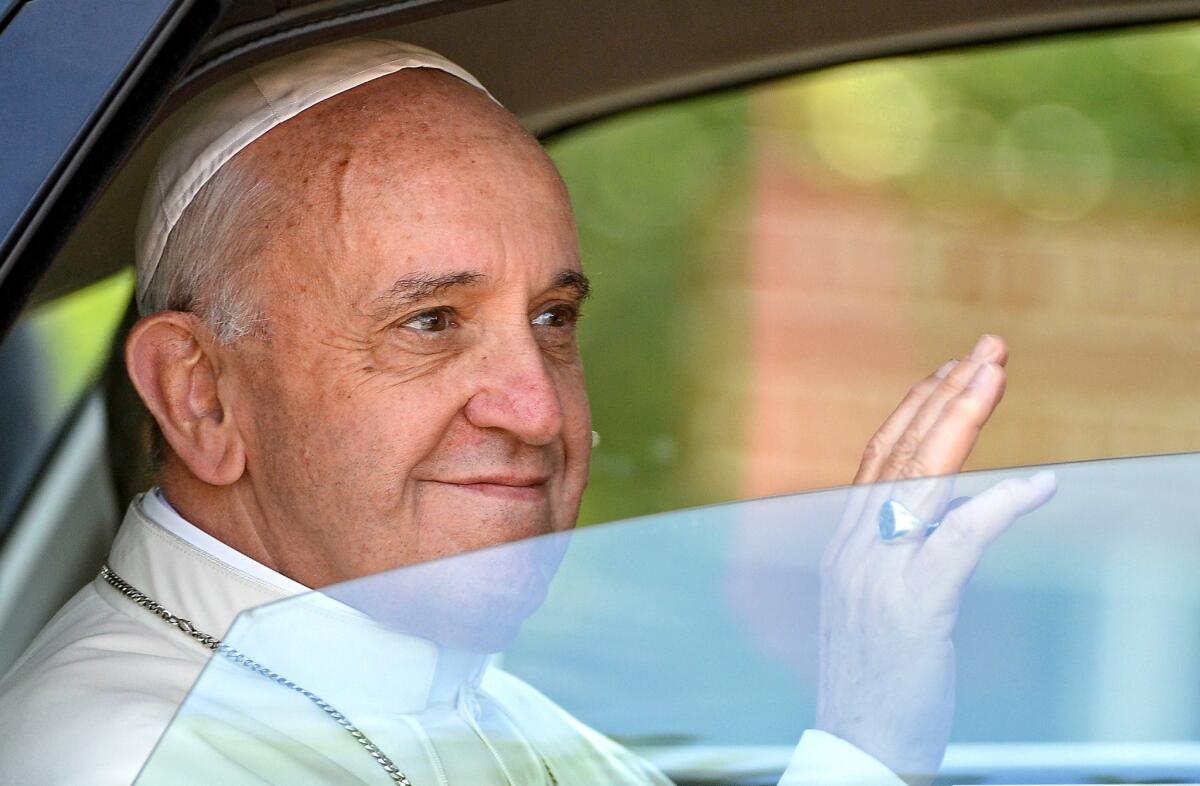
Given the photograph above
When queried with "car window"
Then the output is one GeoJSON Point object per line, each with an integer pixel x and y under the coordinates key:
{"type": "Point", "coordinates": [47, 363]}
{"type": "Point", "coordinates": [775, 266]}
{"type": "Point", "coordinates": [692, 637]}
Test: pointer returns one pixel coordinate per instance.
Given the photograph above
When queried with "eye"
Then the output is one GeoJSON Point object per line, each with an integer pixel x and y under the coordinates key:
{"type": "Point", "coordinates": [557, 316]}
{"type": "Point", "coordinates": [433, 321]}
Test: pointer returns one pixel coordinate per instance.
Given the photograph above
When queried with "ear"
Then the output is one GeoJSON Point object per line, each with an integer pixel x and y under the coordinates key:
{"type": "Point", "coordinates": [173, 364]}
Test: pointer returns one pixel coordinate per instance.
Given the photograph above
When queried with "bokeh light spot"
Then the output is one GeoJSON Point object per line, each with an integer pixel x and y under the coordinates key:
{"type": "Point", "coordinates": [961, 186]}
{"type": "Point", "coordinates": [870, 122]}
{"type": "Point", "coordinates": [654, 169]}
{"type": "Point", "coordinates": [1054, 162]}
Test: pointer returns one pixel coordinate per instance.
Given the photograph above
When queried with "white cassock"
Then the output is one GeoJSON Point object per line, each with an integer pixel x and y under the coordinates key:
{"type": "Point", "coordinates": [93, 694]}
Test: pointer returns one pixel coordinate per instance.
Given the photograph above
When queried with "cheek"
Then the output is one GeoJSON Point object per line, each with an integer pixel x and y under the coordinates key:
{"type": "Point", "coordinates": [387, 434]}
{"type": "Point", "coordinates": [360, 435]}
{"type": "Point", "coordinates": [577, 415]}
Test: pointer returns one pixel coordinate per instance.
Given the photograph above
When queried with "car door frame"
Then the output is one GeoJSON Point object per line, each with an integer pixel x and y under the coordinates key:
{"type": "Point", "coordinates": [62, 189]}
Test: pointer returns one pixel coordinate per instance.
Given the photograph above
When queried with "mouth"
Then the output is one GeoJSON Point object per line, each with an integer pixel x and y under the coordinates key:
{"type": "Point", "coordinates": [519, 489]}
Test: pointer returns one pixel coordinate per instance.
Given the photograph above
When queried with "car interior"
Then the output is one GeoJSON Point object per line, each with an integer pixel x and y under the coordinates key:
{"type": "Point", "coordinates": [557, 65]}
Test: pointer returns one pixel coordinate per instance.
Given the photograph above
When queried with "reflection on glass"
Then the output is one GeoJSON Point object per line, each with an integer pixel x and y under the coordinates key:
{"type": "Point", "coordinates": [690, 637]}
{"type": "Point", "coordinates": [48, 361]}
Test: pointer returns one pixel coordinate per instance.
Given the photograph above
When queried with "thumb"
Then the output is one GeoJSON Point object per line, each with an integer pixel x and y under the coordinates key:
{"type": "Point", "coordinates": [955, 549]}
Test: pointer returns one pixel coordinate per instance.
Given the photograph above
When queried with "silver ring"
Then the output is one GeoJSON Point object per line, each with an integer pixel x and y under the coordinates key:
{"type": "Point", "coordinates": [896, 521]}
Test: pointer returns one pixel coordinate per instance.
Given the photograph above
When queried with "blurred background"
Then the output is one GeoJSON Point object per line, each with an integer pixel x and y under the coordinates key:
{"type": "Point", "coordinates": [775, 266]}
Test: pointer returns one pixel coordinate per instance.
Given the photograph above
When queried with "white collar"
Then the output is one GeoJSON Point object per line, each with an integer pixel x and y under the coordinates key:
{"type": "Point", "coordinates": [308, 635]}
{"type": "Point", "coordinates": [156, 508]}
{"type": "Point", "coordinates": [337, 651]}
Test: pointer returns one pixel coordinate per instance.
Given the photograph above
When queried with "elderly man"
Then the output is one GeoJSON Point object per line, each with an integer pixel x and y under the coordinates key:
{"type": "Point", "coordinates": [360, 282]}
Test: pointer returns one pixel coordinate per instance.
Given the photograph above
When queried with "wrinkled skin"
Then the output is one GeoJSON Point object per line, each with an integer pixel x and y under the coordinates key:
{"type": "Point", "coordinates": [364, 428]}
{"type": "Point", "coordinates": [416, 391]}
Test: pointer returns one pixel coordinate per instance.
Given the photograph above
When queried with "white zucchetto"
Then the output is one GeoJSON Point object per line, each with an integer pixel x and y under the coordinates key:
{"type": "Point", "coordinates": [224, 120]}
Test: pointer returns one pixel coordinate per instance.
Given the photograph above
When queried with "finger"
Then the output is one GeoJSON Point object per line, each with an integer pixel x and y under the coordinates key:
{"type": "Point", "coordinates": [945, 448]}
{"type": "Point", "coordinates": [861, 514]}
{"type": "Point", "coordinates": [860, 521]}
{"type": "Point", "coordinates": [925, 498]}
{"type": "Point", "coordinates": [879, 448]}
{"type": "Point", "coordinates": [922, 500]}
{"type": "Point", "coordinates": [953, 551]}
{"type": "Point", "coordinates": [989, 349]}
{"type": "Point", "coordinates": [935, 464]}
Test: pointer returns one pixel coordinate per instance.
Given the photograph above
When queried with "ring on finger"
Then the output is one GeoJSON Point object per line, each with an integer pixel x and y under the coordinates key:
{"type": "Point", "coordinates": [896, 521]}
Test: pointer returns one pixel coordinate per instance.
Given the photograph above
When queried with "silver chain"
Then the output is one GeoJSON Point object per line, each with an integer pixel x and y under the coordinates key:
{"type": "Point", "coordinates": [214, 644]}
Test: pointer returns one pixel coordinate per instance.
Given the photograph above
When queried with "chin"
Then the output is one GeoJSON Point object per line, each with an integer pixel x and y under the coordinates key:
{"type": "Point", "coordinates": [468, 520]}
{"type": "Point", "coordinates": [477, 602]}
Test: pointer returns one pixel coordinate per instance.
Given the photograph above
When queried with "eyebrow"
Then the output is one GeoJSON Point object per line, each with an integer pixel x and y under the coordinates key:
{"type": "Point", "coordinates": [576, 282]}
{"type": "Point", "coordinates": [413, 289]}
{"type": "Point", "coordinates": [417, 287]}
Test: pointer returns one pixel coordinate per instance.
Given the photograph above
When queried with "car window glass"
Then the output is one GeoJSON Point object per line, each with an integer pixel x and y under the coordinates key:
{"type": "Point", "coordinates": [693, 637]}
{"type": "Point", "coordinates": [84, 55]}
{"type": "Point", "coordinates": [775, 266]}
{"type": "Point", "coordinates": [47, 363]}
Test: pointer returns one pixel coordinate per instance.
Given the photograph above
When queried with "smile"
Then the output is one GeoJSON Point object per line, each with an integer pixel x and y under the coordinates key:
{"type": "Point", "coordinates": [513, 490]}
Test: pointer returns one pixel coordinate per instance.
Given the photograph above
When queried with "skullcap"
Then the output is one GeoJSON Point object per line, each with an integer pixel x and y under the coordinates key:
{"type": "Point", "coordinates": [225, 119]}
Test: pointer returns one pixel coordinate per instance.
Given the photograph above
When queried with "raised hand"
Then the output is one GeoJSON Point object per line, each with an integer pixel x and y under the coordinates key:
{"type": "Point", "coordinates": [888, 608]}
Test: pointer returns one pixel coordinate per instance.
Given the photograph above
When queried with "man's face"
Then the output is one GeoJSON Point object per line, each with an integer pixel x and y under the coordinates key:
{"type": "Point", "coordinates": [419, 390]}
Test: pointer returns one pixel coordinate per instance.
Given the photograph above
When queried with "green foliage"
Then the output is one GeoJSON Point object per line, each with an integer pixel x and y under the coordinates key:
{"type": "Point", "coordinates": [1053, 130]}
{"type": "Point", "coordinates": [642, 185]}
{"type": "Point", "coordinates": [77, 331]}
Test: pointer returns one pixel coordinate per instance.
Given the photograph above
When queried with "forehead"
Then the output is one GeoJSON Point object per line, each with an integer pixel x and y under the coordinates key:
{"type": "Point", "coordinates": [504, 232]}
{"type": "Point", "coordinates": [419, 116]}
{"type": "Point", "coordinates": [416, 173]}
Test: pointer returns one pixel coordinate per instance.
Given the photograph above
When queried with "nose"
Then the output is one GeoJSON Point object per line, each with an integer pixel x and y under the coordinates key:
{"type": "Point", "coordinates": [516, 391]}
